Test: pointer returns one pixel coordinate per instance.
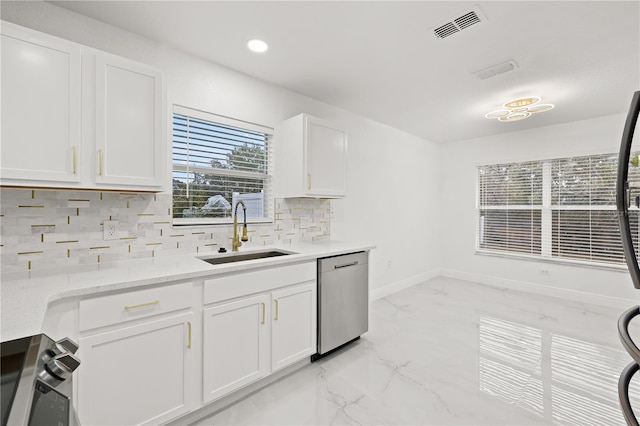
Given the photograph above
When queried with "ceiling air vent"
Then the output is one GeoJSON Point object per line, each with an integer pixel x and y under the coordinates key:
{"type": "Point", "coordinates": [446, 30]}
{"type": "Point", "coordinates": [467, 20]}
{"type": "Point", "coordinates": [459, 23]}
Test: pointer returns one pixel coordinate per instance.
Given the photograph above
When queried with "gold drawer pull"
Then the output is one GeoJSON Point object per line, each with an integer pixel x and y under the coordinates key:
{"type": "Point", "coordinates": [100, 151]}
{"type": "Point", "coordinates": [189, 342]}
{"type": "Point", "coordinates": [276, 318]}
{"type": "Point", "coordinates": [142, 305]}
{"type": "Point", "coordinates": [263, 312]}
{"type": "Point", "coordinates": [308, 180]}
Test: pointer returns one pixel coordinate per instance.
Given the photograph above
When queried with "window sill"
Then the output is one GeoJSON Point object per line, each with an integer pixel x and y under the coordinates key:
{"type": "Point", "coordinates": [556, 261]}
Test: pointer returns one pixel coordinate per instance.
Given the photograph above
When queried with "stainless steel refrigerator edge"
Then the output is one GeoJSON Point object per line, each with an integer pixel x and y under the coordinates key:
{"type": "Point", "coordinates": [343, 300]}
{"type": "Point", "coordinates": [625, 192]}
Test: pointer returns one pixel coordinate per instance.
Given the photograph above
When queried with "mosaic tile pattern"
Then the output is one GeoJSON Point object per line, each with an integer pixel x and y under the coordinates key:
{"type": "Point", "coordinates": [40, 229]}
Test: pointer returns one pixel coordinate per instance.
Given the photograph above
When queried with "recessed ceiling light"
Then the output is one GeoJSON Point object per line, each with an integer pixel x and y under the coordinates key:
{"type": "Point", "coordinates": [257, 45]}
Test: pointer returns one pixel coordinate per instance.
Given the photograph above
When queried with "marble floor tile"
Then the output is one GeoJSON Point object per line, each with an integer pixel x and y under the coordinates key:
{"type": "Point", "coordinates": [451, 352]}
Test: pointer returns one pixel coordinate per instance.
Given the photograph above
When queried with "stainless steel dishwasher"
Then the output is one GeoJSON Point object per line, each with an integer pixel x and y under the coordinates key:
{"type": "Point", "coordinates": [343, 300]}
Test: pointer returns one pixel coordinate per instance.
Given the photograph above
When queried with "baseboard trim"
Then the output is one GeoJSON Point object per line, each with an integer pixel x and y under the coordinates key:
{"type": "Point", "coordinates": [213, 407]}
{"type": "Point", "coordinates": [386, 290]}
{"type": "Point", "coordinates": [561, 293]}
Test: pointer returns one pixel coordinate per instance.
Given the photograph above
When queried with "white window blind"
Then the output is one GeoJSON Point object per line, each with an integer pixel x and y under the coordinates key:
{"type": "Point", "coordinates": [561, 208]}
{"type": "Point", "coordinates": [583, 204]}
{"type": "Point", "coordinates": [218, 161]}
{"type": "Point", "coordinates": [510, 205]}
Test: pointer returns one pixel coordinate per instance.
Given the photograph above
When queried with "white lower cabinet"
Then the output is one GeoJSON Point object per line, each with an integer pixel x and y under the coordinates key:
{"type": "Point", "coordinates": [235, 341]}
{"type": "Point", "coordinates": [147, 353]}
{"type": "Point", "coordinates": [137, 375]}
{"type": "Point", "coordinates": [246, 338]}
{"type": "Point", "coordinates": [241, 336]}
{"type": "Point", "coordinates": [137, 352]}
{"type": "Point", "coordinates": [293, 333]}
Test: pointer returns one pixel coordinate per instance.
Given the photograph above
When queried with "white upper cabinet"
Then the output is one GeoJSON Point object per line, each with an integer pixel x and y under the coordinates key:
{"type": "Point", "coordinates": [40, 108]}
{"type": "Point", "coordinates": [313, 160]}
{"type": "Point", "coordinates": [128, 123]}
{"type": "Point", "coordinates": [76, 117]}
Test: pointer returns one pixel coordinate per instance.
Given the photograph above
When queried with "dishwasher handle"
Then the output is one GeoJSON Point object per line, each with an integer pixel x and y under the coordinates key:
{"type": "Point", "coordinates": [346, 265]}
{"type": "Point", "coordinates": [344, 262]}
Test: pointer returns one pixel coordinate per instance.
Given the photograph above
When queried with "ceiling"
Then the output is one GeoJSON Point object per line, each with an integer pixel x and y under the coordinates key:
{"type": "Point", "coordinates": [381, 59]}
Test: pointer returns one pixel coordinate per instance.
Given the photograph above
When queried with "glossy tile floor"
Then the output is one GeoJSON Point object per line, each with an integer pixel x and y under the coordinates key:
{"type": "Point", "coordinates": [450, 352]}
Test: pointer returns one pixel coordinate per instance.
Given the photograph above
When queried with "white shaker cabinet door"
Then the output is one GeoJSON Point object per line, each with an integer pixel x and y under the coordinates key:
{"type": "Point", "coordinates": [313, 158]}
{"type": "Point", "coordinates": [293, 324]}
{"type": "Point", "coordinates": [235, 345]}
{"type": "Point", "coordinates": [129, 137]}
{"type": "Point", "coordinates": [325, 158]}
{"type": "Point", "coordinates": [136, 375]}
{"type": "Point", "coordinates": [40, 108]}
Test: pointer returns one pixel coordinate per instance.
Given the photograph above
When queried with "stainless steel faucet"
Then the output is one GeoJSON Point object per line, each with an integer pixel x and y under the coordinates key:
{"type": "Point", "coordinates": [235, 244]}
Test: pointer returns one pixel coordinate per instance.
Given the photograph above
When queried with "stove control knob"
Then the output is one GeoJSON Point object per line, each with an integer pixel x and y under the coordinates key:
{"type": "Point", "coordinates": [62, 365]}
{"type": "Point", "coordinates": [65, 345]}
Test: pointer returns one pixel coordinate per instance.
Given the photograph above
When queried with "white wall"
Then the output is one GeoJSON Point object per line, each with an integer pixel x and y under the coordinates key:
{"type": "Point", "coordinates": [458, 178]}
{"type": "Point", "coordinates": [397, 182]}
{"type": "Point", "coordinates": [392, 176]}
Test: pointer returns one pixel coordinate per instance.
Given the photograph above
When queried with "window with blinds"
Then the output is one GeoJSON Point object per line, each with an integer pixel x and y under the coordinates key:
{"type": "Point", "coordinates": [561, 208]}
{"type": "Point", "coordinates": [510, 205]}
{"type": "Point", "coordinates": [218, 161]}
{"type": "Point", "coordinates": [583, 209]}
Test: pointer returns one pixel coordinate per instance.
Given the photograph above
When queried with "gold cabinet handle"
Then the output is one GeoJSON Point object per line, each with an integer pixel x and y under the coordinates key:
{"type": "Point", "coordinates": [75, 160]}
{"type": "Point", "coordinates": [308, 180]}
{"type": "Point", "coordinates": [276, 317]}
{"type": "Point", "coordinates": [101, 158]}
{"type": "Point", "coordinates": [264, 307]}
{"type": "Point", "coordinates": [142, 305]}
{"type": "Point", "coordinates": [189, 339]}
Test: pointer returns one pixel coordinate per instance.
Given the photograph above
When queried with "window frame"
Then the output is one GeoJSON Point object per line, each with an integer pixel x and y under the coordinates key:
{"type": "Point", "coordinates": [267, 177]}
{"type": "Point", "coordinates": [549, 210]}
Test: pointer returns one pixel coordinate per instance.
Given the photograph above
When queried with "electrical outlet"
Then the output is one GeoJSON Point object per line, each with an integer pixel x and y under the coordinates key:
{"type": "Point", "coordinates": [389, 265]}
{"type": "Point", "coordinates": [110, 228]}
{"type": "Point", "coordinates": [544, 272]}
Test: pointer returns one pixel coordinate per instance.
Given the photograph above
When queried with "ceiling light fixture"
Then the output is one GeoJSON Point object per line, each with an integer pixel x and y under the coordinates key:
{"type": "Point", "coordinates": [257, 45]}
{"type": "Point", "coordinates": [519, 109]}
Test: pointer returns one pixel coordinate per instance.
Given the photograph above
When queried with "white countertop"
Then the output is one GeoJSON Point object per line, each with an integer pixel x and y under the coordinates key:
{"type": "Point", "coordinates": [25, 296]}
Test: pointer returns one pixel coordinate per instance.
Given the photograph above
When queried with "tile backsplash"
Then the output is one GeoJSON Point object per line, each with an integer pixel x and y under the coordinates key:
{"type": "Point", "coordinates": [40, 229]}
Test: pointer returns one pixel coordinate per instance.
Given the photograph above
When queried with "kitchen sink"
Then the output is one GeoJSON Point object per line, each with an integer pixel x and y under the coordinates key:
{"type": "Point", "coordinates": [241, 257]}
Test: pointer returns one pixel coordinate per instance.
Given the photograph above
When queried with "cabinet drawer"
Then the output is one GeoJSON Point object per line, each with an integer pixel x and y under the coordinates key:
{"type": "Point", "coordinates": [231, 286]}
{"type": "Point", "coordinates": [122, 307]}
